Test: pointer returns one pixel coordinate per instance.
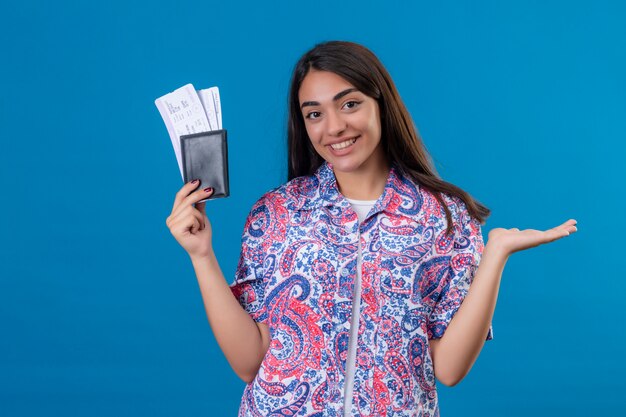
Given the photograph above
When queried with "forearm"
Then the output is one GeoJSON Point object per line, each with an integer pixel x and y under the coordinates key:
{"type": "Point", "coordinates": [455, 353]}
{"type": "Point", "coordinates": [236, 333]}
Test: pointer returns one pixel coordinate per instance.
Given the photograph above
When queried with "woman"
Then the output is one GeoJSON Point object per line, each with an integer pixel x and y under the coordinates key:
{"type": "Point", "coordinates": [352, 292]}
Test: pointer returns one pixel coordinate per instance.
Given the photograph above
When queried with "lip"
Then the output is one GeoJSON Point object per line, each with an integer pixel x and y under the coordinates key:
{"type": "Point", "coordinates": [343, 140]}
{"type": "Point", "coordinates": [344, 151]}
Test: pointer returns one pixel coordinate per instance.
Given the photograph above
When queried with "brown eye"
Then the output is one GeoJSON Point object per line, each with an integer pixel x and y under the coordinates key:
{"type": "Point", "coordinates": [352, 104]}
{"type": "Point", "coordinates": [313, 115]}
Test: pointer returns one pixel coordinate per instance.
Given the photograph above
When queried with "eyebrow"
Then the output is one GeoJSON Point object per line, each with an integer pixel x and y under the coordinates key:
{"type": "Point", "coordinates": [337, 97]}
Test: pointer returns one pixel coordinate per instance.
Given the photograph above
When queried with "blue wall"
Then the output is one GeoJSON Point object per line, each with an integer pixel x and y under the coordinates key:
{"type": "Point", "coordinates": [523, 104]}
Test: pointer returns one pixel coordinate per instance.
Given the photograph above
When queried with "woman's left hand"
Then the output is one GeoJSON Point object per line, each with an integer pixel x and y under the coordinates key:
{"type": "Point", "coordinates": [509, 241]}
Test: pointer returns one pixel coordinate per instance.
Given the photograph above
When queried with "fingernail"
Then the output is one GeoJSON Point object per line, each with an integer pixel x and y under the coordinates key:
{"type": "Point", "coordinates": [194, 181]}
{"type": "Point", "coordinates": [208, 189]}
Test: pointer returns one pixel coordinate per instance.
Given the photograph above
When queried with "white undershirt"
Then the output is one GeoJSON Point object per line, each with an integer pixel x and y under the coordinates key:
{"type": "Point", "coordinates": [362, 208]}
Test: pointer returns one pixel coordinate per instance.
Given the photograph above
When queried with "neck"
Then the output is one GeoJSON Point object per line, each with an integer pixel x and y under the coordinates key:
{"type": "Point", "coordinates": [365, 183]}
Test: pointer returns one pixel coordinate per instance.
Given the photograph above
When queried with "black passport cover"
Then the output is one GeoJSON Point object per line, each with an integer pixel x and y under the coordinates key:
{"type": "Point", "coordinates": [205, 157]}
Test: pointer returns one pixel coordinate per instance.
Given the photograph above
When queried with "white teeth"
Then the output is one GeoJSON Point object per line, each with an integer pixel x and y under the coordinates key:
{"type": "Point", "coordinates": [343, 145]}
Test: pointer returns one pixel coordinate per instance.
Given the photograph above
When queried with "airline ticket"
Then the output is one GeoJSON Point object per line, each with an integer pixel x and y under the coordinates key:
{"type": "Point", "coordinates": [186, 111]}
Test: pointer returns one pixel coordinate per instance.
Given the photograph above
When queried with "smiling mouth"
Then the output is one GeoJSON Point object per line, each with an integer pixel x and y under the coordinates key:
{"type": "Point", "coordinates": [343, 145]}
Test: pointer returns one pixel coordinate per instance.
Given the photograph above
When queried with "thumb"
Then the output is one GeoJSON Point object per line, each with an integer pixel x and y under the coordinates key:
{"type": "Point", "coordinates": [201, 207]}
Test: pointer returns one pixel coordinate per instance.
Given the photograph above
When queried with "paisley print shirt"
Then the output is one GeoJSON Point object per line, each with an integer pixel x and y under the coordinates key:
{"type": "Point", "coordinates": [297, 272]}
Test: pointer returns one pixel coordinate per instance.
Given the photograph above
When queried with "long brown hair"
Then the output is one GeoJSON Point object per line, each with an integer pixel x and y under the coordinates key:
{"type": "Point", "coordinates": [402, 144]}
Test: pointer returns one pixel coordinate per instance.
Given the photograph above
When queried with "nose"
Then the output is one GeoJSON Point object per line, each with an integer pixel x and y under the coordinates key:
{"type": "Point", "coordinates": [336, 125]}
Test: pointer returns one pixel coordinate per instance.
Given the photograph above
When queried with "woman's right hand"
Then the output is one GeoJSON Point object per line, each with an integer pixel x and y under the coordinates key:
{"type": "Point", "coordinates": [188, 224]}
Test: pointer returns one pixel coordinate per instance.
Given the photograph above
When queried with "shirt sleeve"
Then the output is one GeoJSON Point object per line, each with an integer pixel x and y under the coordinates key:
{"type": "Point", "coordinates": [464, 259]}
{"type": "Point", "coordinates": [249, 283]}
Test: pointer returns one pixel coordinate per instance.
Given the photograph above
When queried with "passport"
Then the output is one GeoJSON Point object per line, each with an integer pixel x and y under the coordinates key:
{"type": "Point", "coordinates": [205, 157]}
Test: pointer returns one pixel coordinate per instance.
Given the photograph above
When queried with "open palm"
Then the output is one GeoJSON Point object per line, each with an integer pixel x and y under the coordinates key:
{"type": "Point", "coordinates": [515, 240]}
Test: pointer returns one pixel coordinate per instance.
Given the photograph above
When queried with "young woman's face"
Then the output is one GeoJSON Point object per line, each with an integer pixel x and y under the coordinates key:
{"type": "Point", "coordinates": [343, 124]}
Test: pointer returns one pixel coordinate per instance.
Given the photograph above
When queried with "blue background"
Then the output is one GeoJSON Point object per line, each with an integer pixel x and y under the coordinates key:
{"type": "Point", "coordinates": [522, 104]}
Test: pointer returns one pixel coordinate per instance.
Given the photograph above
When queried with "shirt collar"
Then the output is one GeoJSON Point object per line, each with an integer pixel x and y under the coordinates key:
{"type": "Point", "coordinates": [322, 191]}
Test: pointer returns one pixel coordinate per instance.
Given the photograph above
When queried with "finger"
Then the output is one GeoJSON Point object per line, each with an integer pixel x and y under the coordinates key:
{"type": "Point", "coordinates": [194, 198]}
{"type": "Point", "coordinates": [198, 195]}
{"type": "Point", "coordinates": [201, 208]}
{"type": "Point", "coordinates": [199, 217]}
{"type": "Point", "coordinates": [184, 192]}
{"type": "Point", "coordinates": [191, 227]}
{"type": "Point", "coordinates": [194, 227]}
{"type": "Point", "coordinates": [185, 225]}
{"type": "Point", "coordinates": [556, 233]}
{"type": "Point", "coordinates": [186, 212]}
{"type": "Point", "coordinates": [569, 226]}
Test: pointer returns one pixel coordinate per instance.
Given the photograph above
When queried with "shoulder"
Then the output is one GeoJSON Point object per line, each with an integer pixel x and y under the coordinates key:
{"type": "Point", "coordinates": [429, 207]}
{"type": "Point", "coordinates": [278, 204]}
{"type": "Point", "coordinates": [464, 223]}
{"type": "Point", "coordinates": [436, 208]}
{"type": "Point", "coordinates": [457, 207]}
{"type": "Point", "coordinates": [292, 195]}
